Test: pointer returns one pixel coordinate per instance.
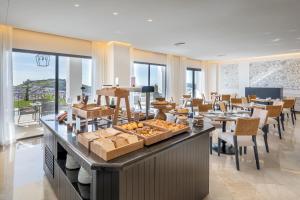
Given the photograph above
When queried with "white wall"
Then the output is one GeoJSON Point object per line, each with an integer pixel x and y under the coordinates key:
{"type": "Point", "coordinates": [23, 39]}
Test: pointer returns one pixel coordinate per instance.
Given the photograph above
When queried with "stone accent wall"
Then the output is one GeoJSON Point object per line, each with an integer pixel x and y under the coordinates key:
{"type": "Point", "coordinates": [278, 73]}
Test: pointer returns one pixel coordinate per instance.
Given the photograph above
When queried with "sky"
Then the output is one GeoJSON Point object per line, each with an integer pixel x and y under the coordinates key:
{"type": "Point", "coordinates": [25, 67]}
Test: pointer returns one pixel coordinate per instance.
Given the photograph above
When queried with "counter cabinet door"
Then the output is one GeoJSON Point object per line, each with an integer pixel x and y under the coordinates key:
{"type": "Point", "coordinates": [50, 140]}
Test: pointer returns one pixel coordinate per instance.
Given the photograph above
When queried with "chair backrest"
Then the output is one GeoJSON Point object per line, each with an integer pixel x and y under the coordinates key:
{"type": "Point", "coordinates": [251, 97]}
{"type": "Point", "coordinates": [236, 101]}
{"type": "Point", "coordinates": [223, 107]}
{"type": "Point", "coordinates": [274, 110]}
{"type": "Point", "coordinates": [244, 100]}
{"type": "Point", "coordinates": [289, 103]}
{"type": "Point", "coordinates": [226, 97]}
{"type": "Point", "coordinates": [186, 96]}
{"type": "Point", "coordinates": [247, 126]}
{"type": "Point", "coordinates": [205, 107]}
{"type": "Point", "coordinates": [261, 114]}
{"type": "Point", "coordinates": [197, 102]}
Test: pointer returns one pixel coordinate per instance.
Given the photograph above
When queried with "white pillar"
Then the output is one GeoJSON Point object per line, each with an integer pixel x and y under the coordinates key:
{"type": "Point", "coordinates": [74, 78]}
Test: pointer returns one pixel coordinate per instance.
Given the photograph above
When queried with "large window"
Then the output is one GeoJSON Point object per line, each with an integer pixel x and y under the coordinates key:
{"type": "Point", "coordinates": [152, 75]}
{"type": "Point", "coordinates": [74, 73]}
{"type": "Point", "coordinates": [41, 82]}
{"type": "Point", "coordinates": [193, 82]}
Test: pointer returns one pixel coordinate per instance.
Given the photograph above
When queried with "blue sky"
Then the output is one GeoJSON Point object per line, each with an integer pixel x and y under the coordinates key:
{"type": "Point", "coordinates": [25, 67]}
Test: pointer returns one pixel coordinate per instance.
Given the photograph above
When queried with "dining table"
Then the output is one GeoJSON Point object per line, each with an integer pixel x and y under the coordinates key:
{"type": "Point", "coordinates": [223, 118]}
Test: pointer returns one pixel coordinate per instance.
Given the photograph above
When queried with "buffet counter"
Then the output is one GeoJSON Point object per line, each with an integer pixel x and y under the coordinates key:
{"type": "Point", "coordinates": [176, 168]}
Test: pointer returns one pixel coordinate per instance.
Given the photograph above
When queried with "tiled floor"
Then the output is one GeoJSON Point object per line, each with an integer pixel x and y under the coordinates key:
{"type": "Point", "coordinates": [21, 171]}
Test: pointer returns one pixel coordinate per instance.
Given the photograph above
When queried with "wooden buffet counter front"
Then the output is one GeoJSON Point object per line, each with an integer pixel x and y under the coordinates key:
{"type": "Point", "coordinates": [175, 169]}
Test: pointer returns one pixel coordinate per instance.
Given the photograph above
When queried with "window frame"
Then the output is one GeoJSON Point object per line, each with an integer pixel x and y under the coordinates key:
{"type": "Point", "coordinates": [56, 75]}
{"type": "Point", "coordinates": [193, 78]}
{"type": "Point", "coordinates": [149, 72]}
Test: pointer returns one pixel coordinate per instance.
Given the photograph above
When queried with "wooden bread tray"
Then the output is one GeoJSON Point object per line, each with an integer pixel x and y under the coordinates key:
{"type": "Point", "coordinates": [92, 111]}
{"type": "Point", "coordinates": [174, 132]}
{"type": "Point", "coordinates": [109, 155]}
{"type": "Point", "coordinates": [149, 139]}
{"type": "Point", "coordinates": [85, 140]}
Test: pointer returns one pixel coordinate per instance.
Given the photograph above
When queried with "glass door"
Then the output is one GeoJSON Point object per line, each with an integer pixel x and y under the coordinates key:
{"type": "Point", "coordinates": [33, 90]}
{"type": "Point", "coordinates": [193, 82]}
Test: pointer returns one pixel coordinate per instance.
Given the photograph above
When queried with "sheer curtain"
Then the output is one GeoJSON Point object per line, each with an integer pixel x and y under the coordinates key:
{"type": "Point", "coordinates": [176, 75]}
{"type": "Point", "coordinates": [99, 63]}
{"type": "Point", "coordinates": [7, 134]}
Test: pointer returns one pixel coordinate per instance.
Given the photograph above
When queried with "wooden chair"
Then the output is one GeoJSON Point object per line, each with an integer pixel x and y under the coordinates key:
{"type": "Point", "coordinates": [244, 100]}
{"type": "Point", "coordinates": [274, 113]}
{"type": "Point", "coordinates": [223, 106]}
{"type": "Point", "coordinates": [226, 97]}
{"type": "Point", "coordinates": [235, 102]}
{"type": "Point", "coordinates": [244, 135]}
{"type": "Point", "coordinates": [251, 97]}
{"type": "Point", "coordinates": [205, 107]}
{"type": "Point", "coordinates": [263, 127]}
{"type": "Point", "coordinates": [289, 109]}
{"type": "Point", "coordinates": [196, 103]}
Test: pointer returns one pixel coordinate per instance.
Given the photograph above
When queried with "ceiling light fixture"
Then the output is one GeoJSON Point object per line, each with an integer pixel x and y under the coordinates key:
{"type": "Point", "coordinates": [149, 20]}
{"type": "Point", "coordinates": [115, 13]}
{"type": "Point", "coordinates": [276, 40]}
{"type": "Point", "coordinates": [179, 43]}
{"type": "Point", "coordinates": [76, 5]}
{"type": "Point", "coordinates": [221, 55]}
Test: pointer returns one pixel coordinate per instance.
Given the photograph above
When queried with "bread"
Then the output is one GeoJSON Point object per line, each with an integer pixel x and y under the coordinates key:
{"type": "Point", "coordinates": [90, 136]}
{"type": "Point", "coordinates": [109, 132]}
{"type": "Point", "coordinates": [119, 141]}
{"type": "Point", "coordinates": [130, 138]}
{"type": "Point", "coordinates": [106, 144]}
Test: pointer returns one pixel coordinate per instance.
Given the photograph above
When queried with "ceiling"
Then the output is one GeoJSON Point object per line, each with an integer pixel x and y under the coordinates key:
{"type": "Point", "coordinates": [211, 29]}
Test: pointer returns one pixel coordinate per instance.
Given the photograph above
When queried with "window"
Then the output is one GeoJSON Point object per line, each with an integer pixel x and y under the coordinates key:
{"type": "Point", "coordinates": [40, 85]}
{"type": "Point", "coordinates": [74, 73]}
{"type": "Point", "coordinates": [193, 82]}
{"type": "Point", "coordinates": [151, 74]}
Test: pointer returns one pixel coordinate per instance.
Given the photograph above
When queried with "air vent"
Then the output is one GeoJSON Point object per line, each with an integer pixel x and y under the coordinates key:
{"type": "Point", "coordinates": [179, 43]}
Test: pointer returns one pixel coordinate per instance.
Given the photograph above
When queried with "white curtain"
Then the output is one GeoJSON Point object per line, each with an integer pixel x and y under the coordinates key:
{"type": "Point", "coordinates": [176, 74]}
{"type": "Point", "coordinates": [7, 134]}
{"type": "Point", "coordinates": [99, 62]}
{"type": "Point", "coordinates": [182, 76]}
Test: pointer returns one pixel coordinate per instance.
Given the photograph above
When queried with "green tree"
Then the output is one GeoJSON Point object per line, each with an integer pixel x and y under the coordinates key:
{"type": "Point", "coordinates": [27, 85]}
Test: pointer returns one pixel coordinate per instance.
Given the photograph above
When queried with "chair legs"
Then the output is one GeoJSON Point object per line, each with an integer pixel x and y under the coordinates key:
{"type": "Point", "coordinates": [282, 121]}
{"type": "Point", "coordinates": [292, 116]}
{"type": "Point", "coordinates": [256, 152]}
{"type": "Point", "coordinates": [279, 129]}
{"type": "Point", "coordinates": [210, 144]}
{"type": "Point", "coordinates": [219, 146]}
{"type": "Point", "coordinates": [265, 129]}
{"type": "Point", "coordinates": [236, 153]}
{"type": "Point", "coordinates": [245, 150]}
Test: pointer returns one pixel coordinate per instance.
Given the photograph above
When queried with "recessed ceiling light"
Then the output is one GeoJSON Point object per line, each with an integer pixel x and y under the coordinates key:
{"type": "Point", "coordinates": [76, 5]}
{"type": "Point", "coordinates": [276, 40]}
{"type": "Point", "coordinates": [221, 55]}
{"type": "Point", "coordinates": [115, 13]}
{"type": "Point", "coordinates": [149, 20]}
{"type": "Point", "coordinates": [179, 43]}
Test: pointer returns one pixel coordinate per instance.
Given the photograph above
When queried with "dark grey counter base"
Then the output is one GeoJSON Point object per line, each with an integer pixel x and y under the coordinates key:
{"type": "Point", "coordinates": [178, 171]}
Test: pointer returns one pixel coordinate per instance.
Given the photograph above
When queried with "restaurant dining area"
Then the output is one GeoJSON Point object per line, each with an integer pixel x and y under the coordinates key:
{"type": "Point", "coordinates": [149, 100]}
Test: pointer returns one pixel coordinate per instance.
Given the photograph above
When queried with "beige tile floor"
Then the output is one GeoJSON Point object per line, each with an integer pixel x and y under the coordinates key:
{"type": "Point", "coordinates": [21, 171]}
